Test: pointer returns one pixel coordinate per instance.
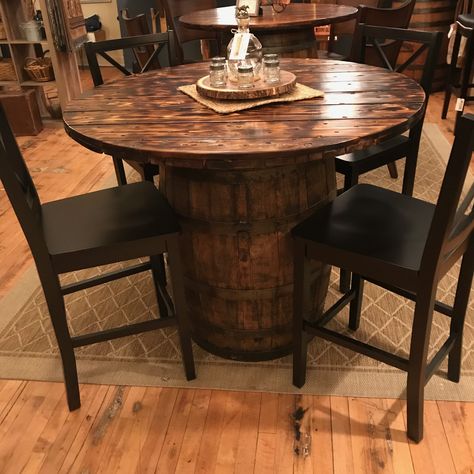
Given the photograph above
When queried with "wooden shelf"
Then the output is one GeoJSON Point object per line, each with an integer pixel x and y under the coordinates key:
{"type": "Point", "coordinates": [15, 12]}
{"type": "Point", "coordinates": [20, 41]}
{"type": "Point", "coordinates": [37, 84]}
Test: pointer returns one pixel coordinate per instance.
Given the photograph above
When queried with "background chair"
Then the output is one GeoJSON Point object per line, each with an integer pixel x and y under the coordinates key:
{"type": "Point", "coordinates": [157, 42]}
{"type": "Point", "coordinates": [343, 42]}
{"type": "Point", "coordinates": [176, 8]}
{"type": "Point", "coordinates": [404, 245]}
{"type": "Point", "coordinates": [353, 165]}
{"type": "Point", "coordinates": [341, 34]}
{"type": "Point", "coordinates": [464, 30]}
{"type": "Point", "coordinates": [138, 26]}
{"type": "Point", "coordinates": [99, 228]}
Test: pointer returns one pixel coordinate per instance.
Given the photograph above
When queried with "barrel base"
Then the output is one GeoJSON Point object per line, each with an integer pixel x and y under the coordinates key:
{"type": "Point", "coordinates": [243, 356]}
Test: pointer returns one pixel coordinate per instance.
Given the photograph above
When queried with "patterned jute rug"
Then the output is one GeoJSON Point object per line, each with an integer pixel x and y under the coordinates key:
{"type": "Point", "coordinates": [28, 347]}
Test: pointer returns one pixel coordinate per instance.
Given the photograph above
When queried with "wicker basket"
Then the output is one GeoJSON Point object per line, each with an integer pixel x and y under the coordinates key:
{"type": "Point", "coordinates": [7, 71]}
{"type": "Point", "coordinates": [39, 69]}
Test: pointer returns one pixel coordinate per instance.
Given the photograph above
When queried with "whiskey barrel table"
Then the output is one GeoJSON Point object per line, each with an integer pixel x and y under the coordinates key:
{"type": "Point", "coordinates": [290, 32]}
{"type": "Point", "coordinates": [240, 182]}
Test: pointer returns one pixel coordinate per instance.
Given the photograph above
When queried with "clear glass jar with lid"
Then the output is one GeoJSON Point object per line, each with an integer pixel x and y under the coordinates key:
{"type": "Point", "coordinates": [217, 75]}
{"type": "Point", "coordinates": [271, 70]}
{"type": "Point", "coordinates": [245, 76]}
{"type": "Point", "coordinates": [253, 54]}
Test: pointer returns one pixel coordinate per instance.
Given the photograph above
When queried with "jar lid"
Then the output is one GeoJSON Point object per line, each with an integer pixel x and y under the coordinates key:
{"type": "Point", "coordinates": [218, 59]}
{"type": "Point", "coordinates": [272, 62]}
{"type": "Point", "coordinates": [216, 66]}
{"type": "Point", "coordinates": [245, 68]}
{"type": "Point", "coordinates": [270, 56]}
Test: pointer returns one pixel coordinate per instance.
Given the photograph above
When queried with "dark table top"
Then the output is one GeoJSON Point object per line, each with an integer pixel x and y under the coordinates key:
{"type": "Point", "coordinates": [148, 119]}
{"type": "Point", "coordinates": [296, 15]}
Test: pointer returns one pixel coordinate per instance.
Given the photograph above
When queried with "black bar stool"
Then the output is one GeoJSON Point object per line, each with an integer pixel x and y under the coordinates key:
{"type": "Point", "coordinates": [464, 29]}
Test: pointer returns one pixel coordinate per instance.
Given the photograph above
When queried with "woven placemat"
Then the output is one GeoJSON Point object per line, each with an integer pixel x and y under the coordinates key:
{"type": "Point", "coordinates": [300, 92]}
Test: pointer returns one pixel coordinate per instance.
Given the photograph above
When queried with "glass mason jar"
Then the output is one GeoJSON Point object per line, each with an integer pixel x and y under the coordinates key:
{"type": "Point", "coordinates": [254, 49]}
{"type": "Point", "coordinates": [271, 70]}
{"type": "Point", "coordinates": [245, 76]}
{"type": "Point", "coordinates": [217, 75]}
{"type": "Point", "coordinates": [220, 60]}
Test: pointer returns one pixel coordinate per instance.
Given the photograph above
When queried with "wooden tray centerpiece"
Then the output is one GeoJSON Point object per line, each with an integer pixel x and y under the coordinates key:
{"type": "Point", "coordinates": [260, 89]}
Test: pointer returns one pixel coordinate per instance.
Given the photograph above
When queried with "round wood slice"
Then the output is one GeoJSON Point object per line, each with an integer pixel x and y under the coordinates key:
{"type": "Point", "coordinates": [260, 89]}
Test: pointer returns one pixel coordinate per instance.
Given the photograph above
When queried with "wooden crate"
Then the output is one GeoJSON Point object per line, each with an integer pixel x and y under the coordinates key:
{"type": "Point", "coordinates": [22, 112]}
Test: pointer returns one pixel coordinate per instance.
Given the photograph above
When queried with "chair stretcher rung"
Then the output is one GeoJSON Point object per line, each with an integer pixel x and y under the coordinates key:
{"type": "Point", "coordinates": [99, 280]}
{"type": "Point", "coordinates": [361, 347]}
{"type": "Point", "coordinates": [115, 333]}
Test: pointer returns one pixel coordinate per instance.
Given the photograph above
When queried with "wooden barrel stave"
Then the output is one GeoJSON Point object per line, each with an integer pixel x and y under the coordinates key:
{"type": "Point", "coordinates": [237, 252]}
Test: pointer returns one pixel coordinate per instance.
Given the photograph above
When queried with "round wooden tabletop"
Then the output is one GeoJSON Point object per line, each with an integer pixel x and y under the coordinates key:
{"type": "Point", "coordinates": [147, 119]}
{"type": "Point", "coordinates": [296, 15]}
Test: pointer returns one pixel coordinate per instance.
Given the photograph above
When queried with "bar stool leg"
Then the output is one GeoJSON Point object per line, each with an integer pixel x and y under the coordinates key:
{"type": "Point", "coordinates": [300, 304]}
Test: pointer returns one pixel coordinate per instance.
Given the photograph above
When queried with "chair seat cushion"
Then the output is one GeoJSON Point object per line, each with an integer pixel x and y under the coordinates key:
{"type": "Point", "coordinates": [371, 222]}
{"type": "Point", "coordinates": [108, 218]}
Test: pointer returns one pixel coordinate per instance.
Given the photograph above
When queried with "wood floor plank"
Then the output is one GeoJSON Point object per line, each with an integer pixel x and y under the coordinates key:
{"type": "Point", "coordinates": [122, 453]}
{"type": "Point", "coordinates": [15, 411]}
{"type": "Point", "coordinates": [341, 436]}
{"type": "Point", "coordinates": [153, 443]}
{"type": "Point", "coordinates": [248, 434]}
{"type": "Point", "coordinates": [61, 453]}
{"type": "Point", "coordinates": [285, 434]}
{"type": "Point", "coordinates": [175, 432]}
{"type": "Point", "coordinates": [398, 444]}
{"type": "Point", "coordinates": [432, 454]}
{"type": "Point", "coordinates": [89, 456]}
{"type": "Point", "coordinates": [268, 413]}
{"type": "Point", "coordinates": [213, 427]}
{"type": "Point", "coordinates": [18, 441]}
{"type": "Point", "coordinates": [48, 436]}
{"type": "Point", "coordinates": [228, 444]}
{"type": "Point", "coordinates": [374, 439]}
{"type": "Point", "coordinates": [188, 454]}
{"type": "Point", "coordinates": [321, 442]}
{"type": "Point", "coordinates": [458, 423]}
{"type": "Point", "coordinates": [302, 431]}
{"type": "Point", "coordinates": [265, 462]}
{"type": "Point", "coordinates": [10, 390]}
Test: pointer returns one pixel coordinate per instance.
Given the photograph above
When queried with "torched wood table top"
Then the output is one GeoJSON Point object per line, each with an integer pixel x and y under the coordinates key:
{"type": "Point", "coordinates": [295, 15]}
{"type": "Point", "coordinates": [145, 117]}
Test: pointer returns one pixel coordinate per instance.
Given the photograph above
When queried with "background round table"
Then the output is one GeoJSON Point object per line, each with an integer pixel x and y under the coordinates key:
{"type": "Point", "coordinates": [290, 32]}
{"type": "Point", "coordinates": [240, 182]}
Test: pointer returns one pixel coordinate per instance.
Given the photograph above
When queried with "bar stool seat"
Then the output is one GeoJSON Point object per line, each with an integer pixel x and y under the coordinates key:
{"type": "Point", "coordinates": [461, 84]}
{"type": "Point", "coordinates": [467, 19]}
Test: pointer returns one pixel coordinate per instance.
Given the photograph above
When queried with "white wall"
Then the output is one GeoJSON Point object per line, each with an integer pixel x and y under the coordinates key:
{"type": "Point", "coordinates": [108, 16]}
{"type": "Point", "coordinates": [110, 25]}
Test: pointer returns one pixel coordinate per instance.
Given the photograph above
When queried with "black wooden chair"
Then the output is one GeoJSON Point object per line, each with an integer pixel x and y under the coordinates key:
{"type": "Point", "coordinates": [99, 228]}
{"type": "Point", "coordinates": [461, 86]}
{"type": "Point", "coordinates": [404, 245]}
{"type": "Point", "coordinates": [150, 45]}
{"type": "Point", "coordinates": [138, 26]}
{"type": "Point", "coordinates": [353, 165]}
{"type": "Point", "coordinates": [341, 43]}
{"type": "Point", "coordinates": [183, 35]}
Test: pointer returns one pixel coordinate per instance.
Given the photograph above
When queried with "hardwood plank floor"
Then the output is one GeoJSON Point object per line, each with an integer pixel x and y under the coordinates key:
{"type": "Point", "coordinates": [135, 429]}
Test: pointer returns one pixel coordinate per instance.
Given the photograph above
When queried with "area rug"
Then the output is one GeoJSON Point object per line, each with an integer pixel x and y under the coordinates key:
{"type": "Point", "coordinates": [28, 348]}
